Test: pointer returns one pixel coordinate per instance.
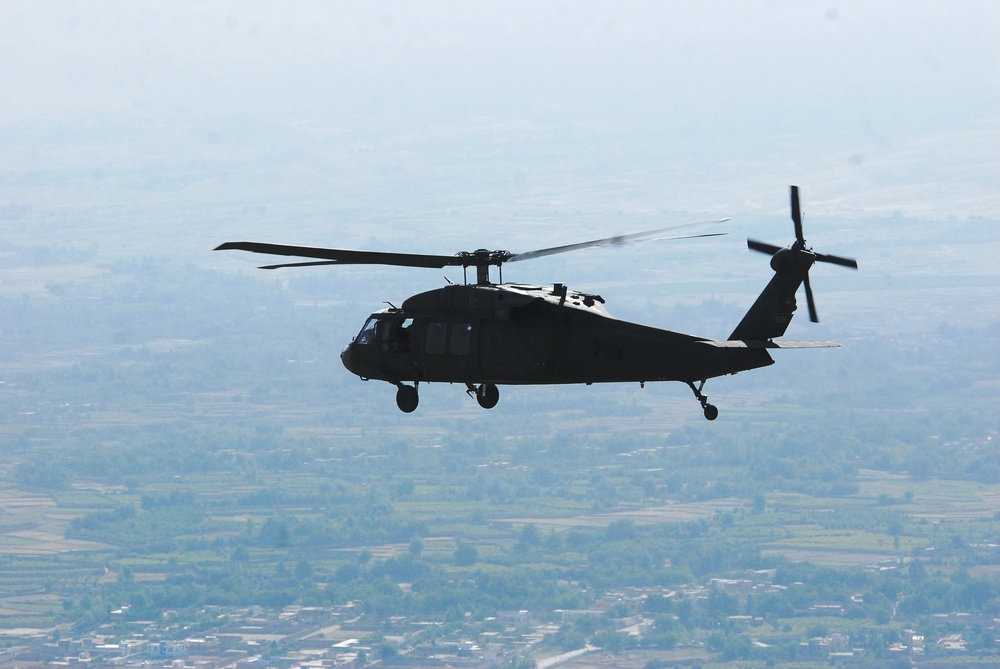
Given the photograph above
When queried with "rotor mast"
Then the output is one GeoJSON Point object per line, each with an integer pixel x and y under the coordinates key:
{"type": "Point", "coordinates": [481, 259]}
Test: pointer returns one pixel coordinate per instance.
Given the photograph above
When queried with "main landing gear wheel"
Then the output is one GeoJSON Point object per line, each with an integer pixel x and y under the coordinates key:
{"type": "Point", "coordinates": [487, 394]}
{"type": "Point", "coordinates": [407, 398]}
{"type": "Point", "coordinates": [711, 411]}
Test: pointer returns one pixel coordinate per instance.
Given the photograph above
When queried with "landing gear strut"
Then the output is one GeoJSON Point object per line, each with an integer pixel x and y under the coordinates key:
{"type": "Point", "coordinates": [487, 394]}
{"type": "Point", "coordinates": [407, 397]}
{"type": "Point", "coordinates": [711, 411]}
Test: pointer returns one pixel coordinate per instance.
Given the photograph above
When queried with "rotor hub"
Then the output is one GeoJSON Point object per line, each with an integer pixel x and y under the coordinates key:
{"type": "Point", "coordinates": [789, 260]}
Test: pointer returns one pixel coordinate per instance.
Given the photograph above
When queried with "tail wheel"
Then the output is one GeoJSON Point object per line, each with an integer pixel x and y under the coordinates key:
{"type": "Point", "coordinates": [487, 394]}
{"type": "Point", "coordinates": [711, 411]}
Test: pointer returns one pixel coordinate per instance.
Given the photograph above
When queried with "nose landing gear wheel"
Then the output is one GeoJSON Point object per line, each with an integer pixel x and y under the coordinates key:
{"type": "Point", "coordinates": [487, 394]}
{"type": "Point", "coordinates": [407, 398]}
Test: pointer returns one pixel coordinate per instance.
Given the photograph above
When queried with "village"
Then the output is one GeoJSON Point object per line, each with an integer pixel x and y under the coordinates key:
{"type": "Point", "coordinates": [299, 637]}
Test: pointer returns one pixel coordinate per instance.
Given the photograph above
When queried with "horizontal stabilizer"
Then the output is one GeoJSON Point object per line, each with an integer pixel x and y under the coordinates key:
{"type": "Point", "coordinates": [761, 343]}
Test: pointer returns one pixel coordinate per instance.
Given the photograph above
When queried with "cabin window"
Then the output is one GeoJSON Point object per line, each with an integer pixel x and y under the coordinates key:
{"type": "Point", "coordinates": [367, 334]}
{"type": "Point", "coordinates": [461, 339]}
{"type": "Point", "coordinates": [436, 338]}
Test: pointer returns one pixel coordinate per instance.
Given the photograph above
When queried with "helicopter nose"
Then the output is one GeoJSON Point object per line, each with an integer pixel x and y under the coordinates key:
{"type": "Point", "coordinates": [345, 357]}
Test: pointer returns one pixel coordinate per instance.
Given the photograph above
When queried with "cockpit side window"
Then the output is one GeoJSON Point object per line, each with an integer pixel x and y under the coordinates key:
{"type": "Point", "coordinates": [403, 335]}
{"type": "Point", "coordinates": [367, 334]}
{"type": "Point", "coordinates": [394, 334]}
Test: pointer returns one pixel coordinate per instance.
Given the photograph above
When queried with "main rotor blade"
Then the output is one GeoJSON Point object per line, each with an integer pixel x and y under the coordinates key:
{"type": "Point", "coordinates": [315, 263]}
{"type": "Point", "coordinates": [635, 237]}
{"type": "Point", "coordinates": [344, 256]}
{"type": "Point", "coordinates": [837, 260]}
{"type": "Point", "coordinates": [769, 249]}
{"type": "Point", "coordinates": [809, 300]}
{"type": "Point", "coordinates": [797, 215]}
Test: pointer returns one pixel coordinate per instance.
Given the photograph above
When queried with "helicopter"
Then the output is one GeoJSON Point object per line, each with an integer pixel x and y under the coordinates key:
{"type": "Point", "coordinates": [487, 334]}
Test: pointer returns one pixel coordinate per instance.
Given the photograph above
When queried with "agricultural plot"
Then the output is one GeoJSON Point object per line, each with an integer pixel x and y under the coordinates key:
{"type": "Point", "coordinates": [933, 499]}
{"type": "Point", "coordinates": [669, 513]}
{"type": "Point", "coordinates": [33, 524]}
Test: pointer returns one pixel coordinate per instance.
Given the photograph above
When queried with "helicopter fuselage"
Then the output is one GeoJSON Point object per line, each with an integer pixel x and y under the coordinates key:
{"type": "Point", "coordinates": [518, 334]}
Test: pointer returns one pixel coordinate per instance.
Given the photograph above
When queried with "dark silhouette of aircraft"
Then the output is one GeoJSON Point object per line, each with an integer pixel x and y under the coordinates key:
{"type": "Point", "coordinates": [485, 335]}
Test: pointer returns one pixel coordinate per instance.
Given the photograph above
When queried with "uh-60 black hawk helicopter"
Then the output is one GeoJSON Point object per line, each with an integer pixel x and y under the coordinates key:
{"type": "Point", "coordinates": [486, 334]}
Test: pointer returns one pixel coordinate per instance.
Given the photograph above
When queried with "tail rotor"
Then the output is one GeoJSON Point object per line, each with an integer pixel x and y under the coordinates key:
{"type": "Point", "coordinates": [798, 258]}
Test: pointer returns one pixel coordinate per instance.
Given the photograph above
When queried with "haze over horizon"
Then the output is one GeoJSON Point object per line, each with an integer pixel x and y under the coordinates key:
{"type": "Point", "coordinates": [141, 130]}
{"type": "Point", "coordinates": [503, 109]}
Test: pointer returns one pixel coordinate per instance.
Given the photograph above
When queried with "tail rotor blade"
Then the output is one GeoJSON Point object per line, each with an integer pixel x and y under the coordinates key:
{"type": "Point", "coordinates": [809, 300]}
{"type": "Point", "coordinates": [837, 260]}
{"type": "Point", "coordinates": [769, 249]}
{"type": "Point", "coordinates": [797, 215]}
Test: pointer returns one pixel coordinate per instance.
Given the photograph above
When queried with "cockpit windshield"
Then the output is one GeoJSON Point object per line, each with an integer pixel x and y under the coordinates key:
{"type": "Point", "coordinates": [367, 334]}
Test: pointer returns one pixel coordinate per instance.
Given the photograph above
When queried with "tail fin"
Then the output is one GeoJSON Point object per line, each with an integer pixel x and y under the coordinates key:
{"type": "Point", "coordinates": [773, 310]}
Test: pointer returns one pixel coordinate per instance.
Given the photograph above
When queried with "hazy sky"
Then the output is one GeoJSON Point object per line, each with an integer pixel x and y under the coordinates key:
{"type": "Point", "coordinates": [911, 63]}
{"type": "Point", "coordinates": [682, 106]}
{"type": "Point", "coordinates": [147, 128]}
